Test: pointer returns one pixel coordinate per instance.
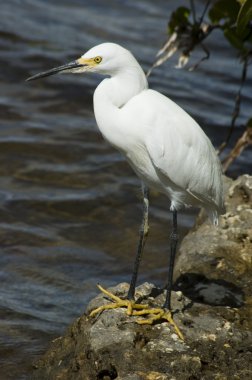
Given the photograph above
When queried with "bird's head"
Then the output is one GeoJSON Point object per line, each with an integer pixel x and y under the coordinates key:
{"type": "Point", "coordinates": [107, 58]}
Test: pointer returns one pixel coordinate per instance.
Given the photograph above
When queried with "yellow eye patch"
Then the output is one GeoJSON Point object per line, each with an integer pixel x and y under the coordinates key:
{"type": "Point", "coordinates": [90, 61]}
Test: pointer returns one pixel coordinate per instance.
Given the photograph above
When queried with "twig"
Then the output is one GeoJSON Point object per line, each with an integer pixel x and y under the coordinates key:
{"type": "Point", "coordinates": [195, 66]}
{"type": "Point", "coordinates": [193, 11]}
{"type": "Point", "coordinates": [236, 110]}
{"type": "Point", "coordinates": [204, 12]}
{"type": "Point", "coordinates": [240, 145]}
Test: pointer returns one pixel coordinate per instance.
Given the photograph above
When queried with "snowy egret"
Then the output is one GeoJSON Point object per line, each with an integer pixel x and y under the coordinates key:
{"type": "Point", "coordinates": [166, 148]}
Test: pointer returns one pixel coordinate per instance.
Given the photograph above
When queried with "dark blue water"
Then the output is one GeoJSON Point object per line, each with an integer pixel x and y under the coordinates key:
{"type": "Point", "coordinates": [69, 204]}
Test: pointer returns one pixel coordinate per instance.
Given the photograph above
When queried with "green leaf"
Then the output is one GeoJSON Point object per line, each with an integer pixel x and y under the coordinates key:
{"type": "Point", "coordinates": [249, 123]}
{"type": "Point", "coordinates": [243, 19]}
{"type": "Point", "coordinates": [179, 18]}
{"type": "Point", "coordinates": [234, 39]}
{"type": "Point", "coordinates": [224, 10]}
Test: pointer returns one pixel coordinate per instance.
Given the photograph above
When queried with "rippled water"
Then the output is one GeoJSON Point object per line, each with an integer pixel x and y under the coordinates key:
{"type": "Point", "coordinates": [69, 204]}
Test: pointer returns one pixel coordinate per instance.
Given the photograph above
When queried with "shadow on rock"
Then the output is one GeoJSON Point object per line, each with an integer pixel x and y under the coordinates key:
{"type": "Point", "coordinates": [200, 289]}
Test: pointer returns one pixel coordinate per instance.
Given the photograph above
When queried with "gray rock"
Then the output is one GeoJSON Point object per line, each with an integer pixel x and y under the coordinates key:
{"type": "Point", "coordinates": [212, 306]}
{"type": "Point", "coordinates": [214, 265]}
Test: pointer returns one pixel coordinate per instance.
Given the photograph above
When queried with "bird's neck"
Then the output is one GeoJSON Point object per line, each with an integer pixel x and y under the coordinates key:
{"type": "Point", "coordinates": [121, 87]}
{"type": "Point", "coordinates": [111, 96]}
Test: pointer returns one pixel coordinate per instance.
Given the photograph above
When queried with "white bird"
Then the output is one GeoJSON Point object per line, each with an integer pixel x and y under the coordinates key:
{"type": "Point", "coordinates": [166, 148]}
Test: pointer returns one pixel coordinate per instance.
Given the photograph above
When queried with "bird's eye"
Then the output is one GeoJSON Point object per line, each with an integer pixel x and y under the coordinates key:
{"type": "Point", "coordinates": [98, 59]}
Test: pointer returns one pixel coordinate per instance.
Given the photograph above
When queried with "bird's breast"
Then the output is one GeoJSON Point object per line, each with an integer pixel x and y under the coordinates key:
{"type": "Point", "coordinates": [140, 162]}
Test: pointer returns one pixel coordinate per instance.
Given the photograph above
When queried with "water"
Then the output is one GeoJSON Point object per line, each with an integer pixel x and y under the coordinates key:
{"type": "Point", "coordinates": [69, 204]}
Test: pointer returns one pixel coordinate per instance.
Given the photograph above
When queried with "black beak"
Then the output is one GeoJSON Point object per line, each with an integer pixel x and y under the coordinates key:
{"type": "Point", "coordinates": [56, 70]}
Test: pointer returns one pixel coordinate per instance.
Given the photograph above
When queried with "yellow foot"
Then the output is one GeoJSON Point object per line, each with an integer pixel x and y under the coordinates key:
{"type": "Point", "coordinates": [117, 303]}
{"type": "Point", "coordinates": [158, 314]}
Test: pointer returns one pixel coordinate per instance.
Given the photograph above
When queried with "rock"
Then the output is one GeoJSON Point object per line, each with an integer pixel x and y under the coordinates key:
{"type": "Point", "coordinates": [214, 265]}
{"type": "Point", "coordinates": [113, 346]}
{"type": "Point", "coordinates": [212, 306]}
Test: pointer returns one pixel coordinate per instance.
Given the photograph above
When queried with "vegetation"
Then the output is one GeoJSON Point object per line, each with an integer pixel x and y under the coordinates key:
{"type": "Point", "coordinates": [187, 30]}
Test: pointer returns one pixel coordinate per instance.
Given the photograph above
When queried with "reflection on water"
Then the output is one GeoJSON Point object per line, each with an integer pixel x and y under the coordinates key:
{"type": "Point", "coordinates": [69, 204]}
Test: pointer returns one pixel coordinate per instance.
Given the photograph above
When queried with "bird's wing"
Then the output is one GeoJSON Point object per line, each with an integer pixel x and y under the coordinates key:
{"type": "Point", "coordinates": [183, 155]}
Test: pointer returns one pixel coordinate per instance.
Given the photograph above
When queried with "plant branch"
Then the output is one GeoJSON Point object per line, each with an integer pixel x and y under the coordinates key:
{"type": "Point", "coordinates": [192, 5]}
{"type": "Point", "coordinates": [204, 12]}
{"type": "Point", "coordinates": [241, 144]}
{"type": "Point", "coordinates": [236, 111]}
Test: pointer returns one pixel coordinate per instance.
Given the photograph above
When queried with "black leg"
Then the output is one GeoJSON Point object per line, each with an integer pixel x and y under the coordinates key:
{"type": "Point", "coordinates": [143, 234]}
{"type": "Point", "coordinates": [174, 241]}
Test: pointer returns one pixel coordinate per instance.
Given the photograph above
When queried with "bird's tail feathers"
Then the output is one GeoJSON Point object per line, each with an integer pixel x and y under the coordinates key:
{"type": "Point", "coordinates": [213, 215]}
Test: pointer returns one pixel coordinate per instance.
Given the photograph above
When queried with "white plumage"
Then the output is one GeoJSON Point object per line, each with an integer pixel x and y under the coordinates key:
{"type": "Point", "coordinates": [166, 148]}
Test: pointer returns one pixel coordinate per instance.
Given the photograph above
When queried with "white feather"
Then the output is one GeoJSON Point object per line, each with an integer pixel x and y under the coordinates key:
{"type": "Point", "coordinates": [166, 147]}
